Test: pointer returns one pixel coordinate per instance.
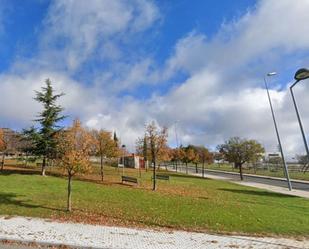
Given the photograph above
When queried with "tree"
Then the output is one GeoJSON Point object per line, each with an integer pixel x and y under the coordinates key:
{"type": "Point", "coordinates": [3, 146]}
{"type": "Point", "coordinates": [177, 155]}
{"type": "Point", "coordinates": [274, 161]}
{"type": "Point", "coordinates": [10, 142]}
{"type": "Point", "coordinates": [116, 140]}
{"type": "Point", "coordinates": [304, 161]}
{"type": "Point", "coordinates": [105, 146]}
{"type": "Point", "coordinates": [143, 148]}
{"type": "Point", "coordinates": [74, 147]}
{"type": "Point", "coordinates": [145, 151]}
{"type": "Point", "coordinates": [204, 157]}
{"type": "Point", "coordinates": [43, 138]}
{"type": "Point", "coordinates": [156, 140]}
{"type": "Point", "coordinates": [188, 156]}
{"type": "Point", "coordinates": [217, 156]}
{"type": "Point", "coordinates": [240, 151]}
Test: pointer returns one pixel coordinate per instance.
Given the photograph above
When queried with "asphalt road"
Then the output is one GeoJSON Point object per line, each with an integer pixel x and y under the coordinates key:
{"type": "Point", "coordinates": [263, 180]}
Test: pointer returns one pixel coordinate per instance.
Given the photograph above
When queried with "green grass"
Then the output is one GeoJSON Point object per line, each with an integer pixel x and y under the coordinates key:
{"type": "Point", "coordinates": [183, 203]}
{"type": "Point", "coordinates": [263, 172]}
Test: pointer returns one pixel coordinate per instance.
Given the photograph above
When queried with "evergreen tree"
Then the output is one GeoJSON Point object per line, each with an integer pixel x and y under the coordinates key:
{"type": "Point", "coordinates": [116, 139]}
{"type": "Point", "coordinates": [43, 138]}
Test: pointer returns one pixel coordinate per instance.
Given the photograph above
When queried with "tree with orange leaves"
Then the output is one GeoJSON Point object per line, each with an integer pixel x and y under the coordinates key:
{"type": "Point", "coordinates": [105, 146]}
{"type": "Point", "coordinates": [74, 148]}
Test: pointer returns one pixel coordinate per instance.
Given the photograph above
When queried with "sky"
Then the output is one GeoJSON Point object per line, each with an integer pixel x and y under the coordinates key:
{"type": "Point", "coordinates": [196, 67]}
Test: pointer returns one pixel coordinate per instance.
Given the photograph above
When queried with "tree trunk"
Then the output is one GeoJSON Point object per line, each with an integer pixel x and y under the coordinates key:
{"type": "Point", "coordinates": [186, 168]}
{"type": "Point", "coordinates": [2, 163]}
{"type": "Point", "coordinates": [26, 161]}
{"type": "Point", "coordinates": [139, 171]}
{"type": "Point", "coordinates": [203, 170]}
{"type": "Point", "coordinates": [196, 171]}
{"type": "Point", "coordinates": [176, 165]}
{"type": "Point", "coordinates": [43, 166]}
{"type": "Point", "coordinates": [240, 172]}
{"type": "Point", "coordinates": [69, 204]}
{"type": "Point", "coordinates": [102, 173]}
{"type": "Point", "coordinates": [154, 187]}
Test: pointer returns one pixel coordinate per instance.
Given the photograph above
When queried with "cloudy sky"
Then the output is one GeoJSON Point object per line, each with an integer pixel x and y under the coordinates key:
{"type": "Point", "coordinates": [124, 63]}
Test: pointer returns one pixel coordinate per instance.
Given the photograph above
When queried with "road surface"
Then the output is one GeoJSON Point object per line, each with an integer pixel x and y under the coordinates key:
{"type": "Point", "coordinates": [297, 185]}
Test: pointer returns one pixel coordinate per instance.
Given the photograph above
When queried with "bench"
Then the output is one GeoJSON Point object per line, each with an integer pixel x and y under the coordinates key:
{"type": "Point", "coordinates": [128, 179]}
{"type": "Point", "coordinates": [163, 177]}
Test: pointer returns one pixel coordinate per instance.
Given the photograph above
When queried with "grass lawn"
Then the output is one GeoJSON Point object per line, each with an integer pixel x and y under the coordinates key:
{"type": "Point", "coordinates": [183, 203]}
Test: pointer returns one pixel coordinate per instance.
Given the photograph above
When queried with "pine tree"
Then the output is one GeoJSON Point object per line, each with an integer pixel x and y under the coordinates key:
{"type": "Point", "coordinates": [116, 139]}
{"type": "Point", "coordinates": [43, 138]}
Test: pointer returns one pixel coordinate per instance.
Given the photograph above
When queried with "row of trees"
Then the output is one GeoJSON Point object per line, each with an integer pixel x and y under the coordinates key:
{"type": "Point", "coordinates": [153, 147]}
{"type": "Point", "coordinates": [69, 148]}
{"type": "Point", "coordinates": [72, 147]}
{"type": "Point", "coordinates": [192, 154]}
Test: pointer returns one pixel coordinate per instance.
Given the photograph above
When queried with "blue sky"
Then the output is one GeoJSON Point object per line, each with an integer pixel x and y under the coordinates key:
{"type": "Point", "coordinates": [125, 63]}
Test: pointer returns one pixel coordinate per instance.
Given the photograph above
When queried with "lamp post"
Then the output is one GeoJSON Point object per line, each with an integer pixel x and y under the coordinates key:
{"type": "Point", "coordinates": [123, 148]}
{"type": "Point", "coordinates": [301, 74]}
{"type": "Point", "coordinates": [277, 131]}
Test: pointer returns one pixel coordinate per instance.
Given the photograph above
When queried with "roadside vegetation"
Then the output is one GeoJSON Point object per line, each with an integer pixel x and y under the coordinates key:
{"type": "Point", "coordinates": [184, 202]}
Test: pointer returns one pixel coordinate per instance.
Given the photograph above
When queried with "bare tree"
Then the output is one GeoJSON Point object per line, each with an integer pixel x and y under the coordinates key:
{"type": "Point", "coordinates": [156, 140]}
{"type": "Point", "coordinates": [304, 161]}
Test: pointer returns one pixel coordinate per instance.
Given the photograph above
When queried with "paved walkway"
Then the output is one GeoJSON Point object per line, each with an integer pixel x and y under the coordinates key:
{"type": "Point", "coordinates": [90, 236]}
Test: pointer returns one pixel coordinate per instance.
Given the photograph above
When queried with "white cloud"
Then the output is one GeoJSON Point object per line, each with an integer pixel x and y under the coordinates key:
{"type": "Point", "coordinates": [79, 28]}
{"type": "Point", "coordinates": [222, 96]}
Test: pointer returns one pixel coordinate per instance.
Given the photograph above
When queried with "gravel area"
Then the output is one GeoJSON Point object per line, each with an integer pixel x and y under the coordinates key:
{"type": "Point", "coordinates": [91, 236]}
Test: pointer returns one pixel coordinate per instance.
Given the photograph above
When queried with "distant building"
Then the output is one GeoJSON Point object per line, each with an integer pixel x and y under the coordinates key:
{"type": "Point", "coordinates": [132, 161]}
{"type": "Point", "coordinates": [269, 156]}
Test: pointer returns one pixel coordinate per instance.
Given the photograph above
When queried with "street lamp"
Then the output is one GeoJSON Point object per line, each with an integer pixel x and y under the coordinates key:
{"type": "Point", "coordinates": [277, 131]}
{"type": "Point", "coordinates": [301, 74]}
{"type": "Point", "coordinates": [123, 148]}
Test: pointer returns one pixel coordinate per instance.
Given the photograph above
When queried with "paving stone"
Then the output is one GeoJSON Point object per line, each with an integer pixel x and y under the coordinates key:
{"type": "Point", "coordinates": [91, 236]}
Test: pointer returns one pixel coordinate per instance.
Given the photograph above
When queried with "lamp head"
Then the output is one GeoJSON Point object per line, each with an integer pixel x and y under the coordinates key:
{"type": "Point", "coordinates": [301, 74]}
{"type": "Point", "coordinates": [272, 74]}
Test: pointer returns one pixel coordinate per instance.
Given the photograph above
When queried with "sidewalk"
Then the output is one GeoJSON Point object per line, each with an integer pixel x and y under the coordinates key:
{"type": "Point", "coordinates": [47, 232]}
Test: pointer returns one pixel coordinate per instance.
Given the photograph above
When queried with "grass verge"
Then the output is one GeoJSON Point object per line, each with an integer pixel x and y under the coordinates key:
{"type": "Point", "coordinates": [184, 202]}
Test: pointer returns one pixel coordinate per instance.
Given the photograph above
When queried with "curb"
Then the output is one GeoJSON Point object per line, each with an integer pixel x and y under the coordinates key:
{"type": "Point", "coordinates": [41, 244]}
